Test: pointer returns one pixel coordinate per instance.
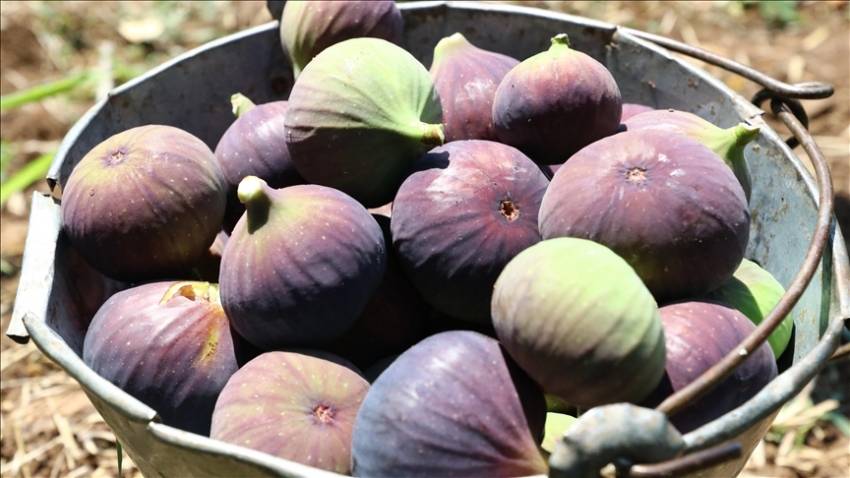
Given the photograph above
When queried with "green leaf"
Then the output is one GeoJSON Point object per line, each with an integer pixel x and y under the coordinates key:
{"type": "Point", "coordinates": [6, 268]}
{"type": "Point", "coordinates": [29, 174]}
{"type": "Point", "coordinates": [120, 455]}
{"type": "Point", "coordinates": [7, 152]}
{"type": "Point", "coordinates": [39, 92]}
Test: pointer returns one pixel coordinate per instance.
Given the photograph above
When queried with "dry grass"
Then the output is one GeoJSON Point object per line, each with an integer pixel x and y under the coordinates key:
{"type": "Point", "coordinates": [49, 427]}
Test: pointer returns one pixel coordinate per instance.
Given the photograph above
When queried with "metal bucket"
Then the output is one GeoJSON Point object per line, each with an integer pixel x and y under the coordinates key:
{"type": "Point", "coordinates": [59, 293]}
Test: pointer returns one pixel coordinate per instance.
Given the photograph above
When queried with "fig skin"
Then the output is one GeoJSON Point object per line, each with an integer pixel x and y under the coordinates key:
{"type": "Point", "coordinates": [555, 103]}
{"type": "Point", "coordinates": [362, 112]}
{"type": "Point", "coordinates": [452, 405]}
{"type": "Point", "coordinates": [698, 333]}
{"type": "Point", "coordinates": [467, 209]}
{"type": "Point", "coordinates": [307, 27]}
{"type": "Point", "coordinates": [755, 292]}
{"type": "Point", "coordinates": [579, 321]}
{"type": "Point", "coordinates": [296, 405]}
{"type": "Point", "coordinates": [466, 78]}
{"type": "Point", "coordinates": [728, 143]}
{"type": "Point", "coordinates": [145, 204]}
{"type": "Point", "coordinates": [633, 109]}
{"type": "Point", "coordinates": [393, 320]}
{"type": "Point", "coordinates": [169, 345]}
{"type": "Point", "coordinates": [673, 209]}
{"type": "Point", "coordinates": [254, 146]}
{"type": "Point", "coordinates": [300, 266]}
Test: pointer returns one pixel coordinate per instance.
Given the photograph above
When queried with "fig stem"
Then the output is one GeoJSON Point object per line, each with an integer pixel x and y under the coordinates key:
{"type": "Point", "coordinates": [241, 104]}
{"type": "Point", "coordinates": [252, 194]}
{"type": "Point", "coordinates": [433, 134]}
{"type": "Point", "coordinates": [561, 39]}
{"type": "Point", "coordinates": [745, 133]}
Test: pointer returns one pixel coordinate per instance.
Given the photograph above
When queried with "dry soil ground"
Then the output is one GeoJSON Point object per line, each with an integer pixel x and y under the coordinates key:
{"type": "Point", "coordinates": [49, 428]}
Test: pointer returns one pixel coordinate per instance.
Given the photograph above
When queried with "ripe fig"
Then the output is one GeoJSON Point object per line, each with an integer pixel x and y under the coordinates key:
{"type": "Point", "coordinates": [361, 113]}
{"type": "Point", "coordinates": [254, 146]}
{"type": "Point", "coordinates": [727, 143]}
{"type": "Point", "coordinates": [393, 320]}
{"type": "Point", "coordinates": [167, 344]}
{"type": "Point", "coordinates": [671, 208]}
{"type": "Point", "coordinates": [697, 335]}
{"type": "Point", "coordinates": [555, 103]}
{"type": "Point", "coordinates": [755, 292]}
{"type": "Point", "coordinates": [145, 204]}
{"type": "Point", "coordinates": [300, 265]}
{"type": "Point", "coordinates": [579, 321]}
{"type": "Point", "coordinates": [308, 27]}
{"type": "Point", "coordinates": [466, 209]}
{"type": "Point", "coordinates": [466, 78]}
{"type": "Point", "coordinates": [452, 405]}
{"type": "Point", "coordinates": [633, 109]}
{"type": "Point", "coordinates": [296, 405]}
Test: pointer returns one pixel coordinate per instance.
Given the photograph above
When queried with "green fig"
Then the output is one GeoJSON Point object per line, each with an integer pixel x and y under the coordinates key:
{"type": "Point", "coordinates": [361, 113]}
{"type": "Point", "coordinates": [727, 143]}
{"type": "Point", "coordinates": [755, 292]}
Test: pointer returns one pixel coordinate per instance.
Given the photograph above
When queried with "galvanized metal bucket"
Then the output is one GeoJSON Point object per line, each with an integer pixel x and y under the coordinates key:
{"type": "Point", "coordinates": [793, 233]}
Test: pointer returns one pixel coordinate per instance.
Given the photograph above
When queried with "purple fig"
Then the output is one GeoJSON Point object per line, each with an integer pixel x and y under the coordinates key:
{"type": "Point", "coordinates": [296, 405]}
{"type": "Point", "coordinates": [664, 202]}
{"type": "Point", "coordinates": [254, 146]}
{"type": "Point", "coordinates": [167, 344]}
{"type": "Point", "coordinates": [360, 128]}
{"type": "Point", "coordinates": [145, 204]}
{"type": "Point", "coordinates": [698, 334]}
{"type": "Point", "coordinates": [467, 209]}
{"type": "Point", "coordinates": [300, 266]}
{"type": "Point", "coordinates": [466, 78]}
{"type": "Point", "coordinates": [727, 143]}
{"type": "Point", "coordinates": [308, 27]}
{"type": "Point", "coordinates": [452, 405]}
{"type": "Point", "coordinates": [580, 322]}
{"type": "Point", "coordinates": [555, 103]}
{"type": "Point", "coordinates": [633, 109]}
{"type": "Point", "coordinates": [755, 292]}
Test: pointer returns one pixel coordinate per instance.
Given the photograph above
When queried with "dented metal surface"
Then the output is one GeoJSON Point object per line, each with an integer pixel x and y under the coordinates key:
{"type": "Point", "coordinates": [784, 208]}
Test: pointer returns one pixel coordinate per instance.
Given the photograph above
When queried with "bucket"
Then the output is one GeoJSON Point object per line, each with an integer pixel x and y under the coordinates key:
{"type": "Point", "coordinates": [793, 233]}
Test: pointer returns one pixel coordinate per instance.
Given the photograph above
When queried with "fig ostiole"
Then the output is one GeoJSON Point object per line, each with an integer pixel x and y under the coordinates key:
{"type": "Point", "coordinates": [728, 143]}
{"type": "Point", "coordinates": [361, 113]}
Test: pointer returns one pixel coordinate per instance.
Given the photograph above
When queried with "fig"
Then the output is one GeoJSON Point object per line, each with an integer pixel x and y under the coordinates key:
{"type": "Point", "coordinates": [698, 333]}
{"type": "Point", "coordinates": [664, 202]}
{"type": "Point", "coordinates": [254, 146]}
{"type": "Point", "coordinates": [145, 204]}
{"type": "Point", "coordinates": [633, 109]}
{"type": "Point", "coordinates": [466, 78]}
{"type": "Point", "coordinates": [555, 103]}
{"type": "Point", "coordinates": [308, 27]}
{"type": "Point", "coordinates": [296, 405]}
{"type": "Point", "coordinates": [556, 425]}
{"type": "Point", "coordinates": [169, 345]}
{"type": "Point", "coordinates": [728, 143]}
{"type": "Point", "coordinates": [300, 265]}
{"type": "Point", "coordinates": [452, 405]}
{"type": "Point", "coordinates": [361, 113]}
{"type": "Point", "coordinates": [755, 292]}
{"type": "Point", "coordinates": [579, 321]}
{"type": "Point", "coordinates": [467, 208]}
{"type": "Point", "coordinates": [393, 320]}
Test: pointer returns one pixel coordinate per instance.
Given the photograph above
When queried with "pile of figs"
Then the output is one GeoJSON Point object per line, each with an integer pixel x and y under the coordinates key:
{"type": "Point", "coordinates": [411, 271]}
